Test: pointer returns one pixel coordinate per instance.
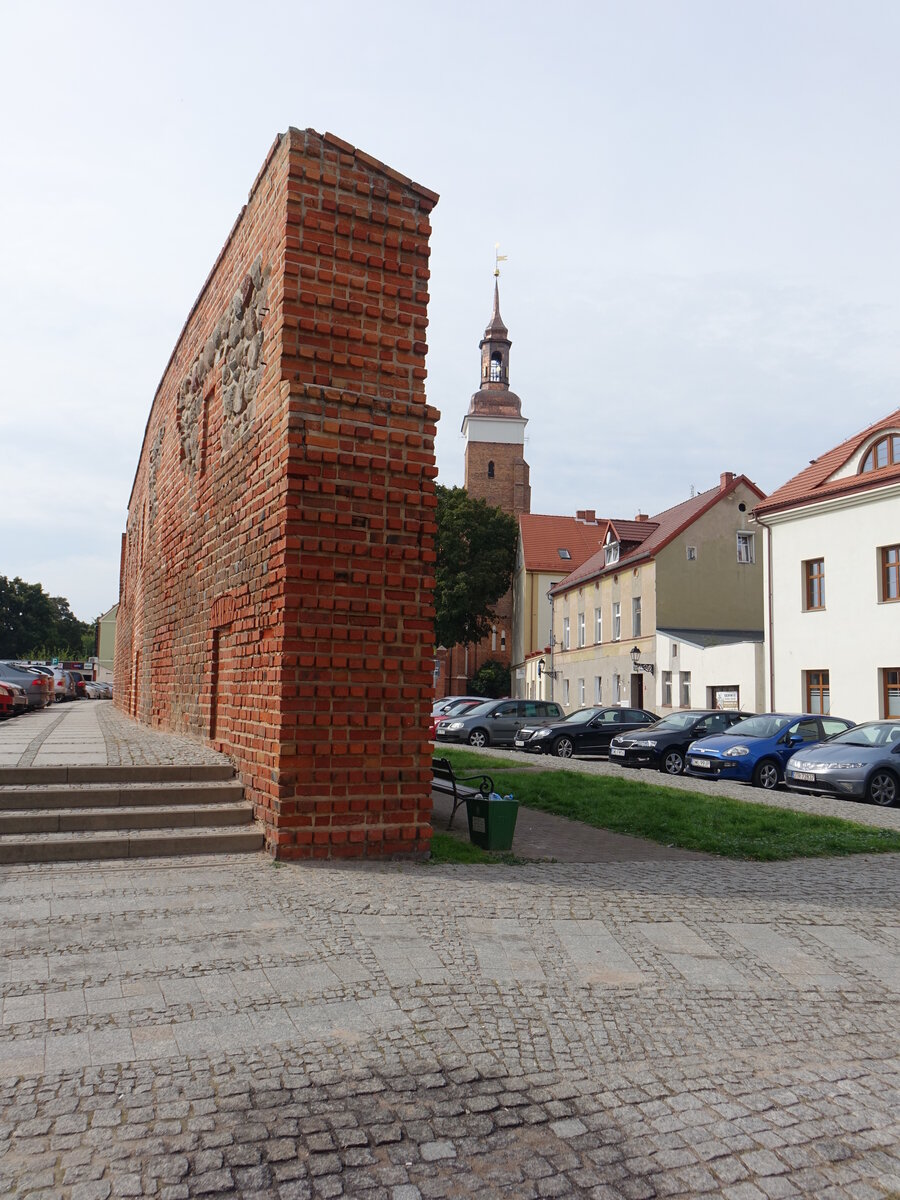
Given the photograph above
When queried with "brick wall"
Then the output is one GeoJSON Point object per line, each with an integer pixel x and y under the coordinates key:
{"type": "Point", "coordinates": [278, 565]}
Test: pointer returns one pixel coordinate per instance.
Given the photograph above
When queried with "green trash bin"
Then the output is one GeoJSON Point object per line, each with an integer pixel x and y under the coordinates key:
{"type": "Point", "coordinates": [492, 821]}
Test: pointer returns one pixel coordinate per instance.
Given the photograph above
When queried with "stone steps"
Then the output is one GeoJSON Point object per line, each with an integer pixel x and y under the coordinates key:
{"type": "Point", "coordinates": [68, 814]}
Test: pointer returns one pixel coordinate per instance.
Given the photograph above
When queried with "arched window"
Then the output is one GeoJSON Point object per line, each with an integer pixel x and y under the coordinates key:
{"type": "Point", "coordinates": [495, 367]}
{"type": "Point", "coordinates": [491, 469]}
{"type": "Point", "coordinates": [885, 453]}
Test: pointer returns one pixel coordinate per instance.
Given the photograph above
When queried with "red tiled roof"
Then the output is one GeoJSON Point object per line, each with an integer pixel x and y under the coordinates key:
{"type": "Point", "coordinates": [543, 537]}
{"type": "Point", "coordinates": [815, 483]}
{"type": "Point", "coordinates": [662, 528]}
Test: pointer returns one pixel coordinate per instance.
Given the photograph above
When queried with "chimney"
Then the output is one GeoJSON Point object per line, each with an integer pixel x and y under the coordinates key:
{"type": "Point", "coordinates": [579, 516]}
{"type": "Point", "coordinates": [641, 517]}
{"type": "Point", "coordinates": [725, 479]}
{"type": "Point", "coordinates": [587, 515]}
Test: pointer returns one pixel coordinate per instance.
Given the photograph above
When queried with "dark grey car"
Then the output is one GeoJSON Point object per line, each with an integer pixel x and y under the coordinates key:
{"type": "Point", "coordinates": [861, 763]}
{"type": "Point", "coordinates": [496, 722]}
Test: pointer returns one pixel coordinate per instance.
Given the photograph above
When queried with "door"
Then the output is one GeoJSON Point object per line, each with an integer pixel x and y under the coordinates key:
{"type": "Point", "coordinates": [599, 731]}
{"type": "Point", "coordinates": [808, 732]}
{"type": "Point", "coordinates": [637, 690]}
{"type": "Point", "coordinates": [506, 720]}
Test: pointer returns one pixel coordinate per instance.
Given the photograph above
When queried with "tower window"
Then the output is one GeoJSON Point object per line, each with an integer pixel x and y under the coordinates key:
{"type": "Point", "coordinates": [491, 469]}
{"type": "Point", "coordinates": [495, 368]}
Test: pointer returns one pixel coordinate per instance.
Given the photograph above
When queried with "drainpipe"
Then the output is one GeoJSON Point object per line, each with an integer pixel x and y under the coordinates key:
{"type": "Point", "coordinates": [770, 608]}
{"type": "Point", "coordinates": [552, 645]}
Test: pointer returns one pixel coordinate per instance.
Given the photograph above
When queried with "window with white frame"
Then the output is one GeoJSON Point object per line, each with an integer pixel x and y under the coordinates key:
{"type": "Point", "coordinates": [636, 616]}
{"type": "Point", "coordinates": [565, 692]}
{"type": "Point", "coordinates": [667, 689]}
{"type": "Point", "coordinates": [617, 689]}
{"type": "Point", "coordinates": [611, 553]}
{"type": "Point", "coordinates": [691, 553]}
{"type": "Point", "coordinates": [566, 634]}
{"type": "Point", "coordinates": [502, 639]}
{"type": "Point", "coordinates": [581, 692]}
{"type": "Point", "coordinates": [685, 689]}
{"type": "Point", "coordinates": [745, 548]}
{"type": "Point", "coordinates": [598, 625]}
{"type": "Point", "coordinates": [617, 620]}
{"type": "Point", "coordinates": [598, 690]}
{"type": "Point", "coordinates": [581, 629]}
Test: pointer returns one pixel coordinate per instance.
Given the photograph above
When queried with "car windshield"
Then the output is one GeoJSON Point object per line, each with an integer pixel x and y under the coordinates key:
{"type": "Point", "coordinates": [681, 720]}
{"type": "Point", "coordinates": [479, 709]}
{"type": "Point", "coordinates": [760, 727]}
{"type": "Point", "coordinates": [580, 716]}
{"type": "Point", "coordinates": [879, 733]}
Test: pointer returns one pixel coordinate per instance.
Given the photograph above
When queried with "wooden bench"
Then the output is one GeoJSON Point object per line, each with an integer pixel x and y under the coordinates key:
{"type": "Point", "coordinates": [442, 769]}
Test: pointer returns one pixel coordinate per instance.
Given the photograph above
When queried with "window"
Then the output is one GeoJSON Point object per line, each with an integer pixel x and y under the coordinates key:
{"type": "Point", "coordinates": [495, 368]}
{"type": "Point", "coordinates": [692, 553]}
{"type": "Point", "coordinates": [598, 626]}
{"type": "Point", "coordinates": [611, 553]}
{"type": "Point", "coordinates": [885, 453]}
{"type": "Point", "coordinates": [745, 548]}
{"type": "Point", "coordinates": [493, 637]}
{"type": "Point", "coordinates": [890, 572]}
{"type": "Point", "coordinates": [491, 469]}
{"type": "Point", "coordinates": [891, 691]}
{"type": "Point", "coordinates": [667, 689]}
{"type": "Point", "coordinates": [814, 583]}
{"type": "Point", "coordinates": [502, 639]}
{"type": "Point", "coordinates": [685, 689]}
{"type": "Point", "coordinates": [566, 635]}
{"type": "Point", "coordinates": [598, 690]}
{"type": "Point", "coordinates": [581, 692]}
{"type": "Point", "coordinates": [581, 629]}
{"type": "Point", "coordinates": [565, 692]}
{"type": "Point", "coordinates": [674, 649]}
{"type": "Point", "coordinates": [818, 692]}
{"type": "Point", "coordinates": [617, 621]}
{"type": "Point", "coordinates": [617, 689]}
{"type": "Point", "coordinates": [636, 616]}
{"type": "Point", "coordinates": [563, 553]}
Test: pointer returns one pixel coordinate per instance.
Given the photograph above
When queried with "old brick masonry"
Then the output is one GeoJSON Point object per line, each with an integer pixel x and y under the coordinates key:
{"type": "Point", "coordinates": [277, 568]}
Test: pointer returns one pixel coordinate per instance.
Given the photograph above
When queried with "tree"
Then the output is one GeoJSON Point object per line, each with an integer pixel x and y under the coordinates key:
{"type": "Point", "coordinates": [476, 558]}
{"type": "Point", "coordinates": [35, 625]}
{"type": "Point", "coordinates": [491, 680]}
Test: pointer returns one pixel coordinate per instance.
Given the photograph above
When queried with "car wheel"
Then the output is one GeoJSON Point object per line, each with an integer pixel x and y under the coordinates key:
{"type": "Point", "coordinates": [673, 762]}
{"type": "Point", "coordinates": [478, 738]}
{"type": "Point", "coordinates": [766, 775]}
{"type": "Point", "coordinates": [882, 789]}
{"type": "Point", "coordinates": [563, 747]}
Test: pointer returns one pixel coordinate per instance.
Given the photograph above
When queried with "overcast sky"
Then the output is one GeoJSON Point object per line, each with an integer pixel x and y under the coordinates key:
{"type": "Point", "coordinates": [699, 201]}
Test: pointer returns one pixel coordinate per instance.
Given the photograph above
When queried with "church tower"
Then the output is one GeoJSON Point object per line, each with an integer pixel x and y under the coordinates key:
{"type": "Point", "coordinates": [494, 428]}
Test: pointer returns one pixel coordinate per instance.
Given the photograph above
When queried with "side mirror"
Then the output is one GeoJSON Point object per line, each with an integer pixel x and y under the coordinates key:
{"type": "Point", "coordinates": [793, 739]}
{"type": "Point", "coordinates": [895, 749]}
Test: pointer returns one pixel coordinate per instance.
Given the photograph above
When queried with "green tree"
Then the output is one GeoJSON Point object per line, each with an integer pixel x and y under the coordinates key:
{"type": "Point", "coordinates": [491, 680]}
{"type": "Point", "coordinates": [476, 558]}
{"type": "Point", "coordinates": [35, 625]}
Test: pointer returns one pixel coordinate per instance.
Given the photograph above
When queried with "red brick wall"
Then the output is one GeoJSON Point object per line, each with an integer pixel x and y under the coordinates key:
{"type": "Point", "coordinates": [276, 591]}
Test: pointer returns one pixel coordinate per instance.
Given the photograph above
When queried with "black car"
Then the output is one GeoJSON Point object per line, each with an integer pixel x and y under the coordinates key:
{"type": "Point", "coordinates": [663, 746]}
{"type": "Point", "coordinates": [586, 731]}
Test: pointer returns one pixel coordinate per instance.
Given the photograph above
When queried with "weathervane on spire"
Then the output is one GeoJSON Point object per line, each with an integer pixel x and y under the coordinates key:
{"type": "Point", "coordinates": [498, 259]}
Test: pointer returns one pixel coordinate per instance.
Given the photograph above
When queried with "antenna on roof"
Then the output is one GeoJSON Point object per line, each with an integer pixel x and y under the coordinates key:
{"type": "Point", "coordinates": [693, 491]}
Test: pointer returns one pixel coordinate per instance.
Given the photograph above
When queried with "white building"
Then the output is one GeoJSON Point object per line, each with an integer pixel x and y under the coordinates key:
{"type": "Point", "coordinates": [831, 539]}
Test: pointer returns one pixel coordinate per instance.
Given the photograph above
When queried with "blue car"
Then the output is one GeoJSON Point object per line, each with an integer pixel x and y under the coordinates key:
{"type": "Point", "coordinates": [756, 750]}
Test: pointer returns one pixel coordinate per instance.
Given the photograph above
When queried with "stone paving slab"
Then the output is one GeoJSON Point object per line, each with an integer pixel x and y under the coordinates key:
{"type": "Point", "coordinates": [226, 1027]}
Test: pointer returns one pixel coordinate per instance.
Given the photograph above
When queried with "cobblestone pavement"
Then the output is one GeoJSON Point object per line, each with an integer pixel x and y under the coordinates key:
{"type": "Point", "coordinates": [224, 1027]}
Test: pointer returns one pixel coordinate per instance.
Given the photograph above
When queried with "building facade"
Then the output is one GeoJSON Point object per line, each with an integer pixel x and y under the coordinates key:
{"type": "Point", "coordinates": [276, 595]}
{"type": "Point", "coordinates": [691, 574]}
{"type": "Point", "coordinates": [831, 538]}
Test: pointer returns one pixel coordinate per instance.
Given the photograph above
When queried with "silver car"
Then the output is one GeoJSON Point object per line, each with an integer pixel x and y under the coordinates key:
{"type": "Point", "coordinates": [861, 763]}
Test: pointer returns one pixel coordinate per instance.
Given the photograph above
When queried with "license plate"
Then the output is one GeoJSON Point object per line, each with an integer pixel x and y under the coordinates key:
{"type": "Point", "coordinates": [617, 753]}
{"type": "Point", "coordinates": [703, 763]}
{"type": "Point", "coordinates": [804, 776]}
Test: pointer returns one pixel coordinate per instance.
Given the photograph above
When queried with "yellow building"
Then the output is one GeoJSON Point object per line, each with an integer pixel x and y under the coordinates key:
{"type": "Point", "coordinates": [691, 574]}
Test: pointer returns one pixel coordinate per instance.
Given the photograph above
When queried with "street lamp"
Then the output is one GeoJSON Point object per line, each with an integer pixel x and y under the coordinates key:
{"type": "Point", "coordinates": [639, 666]}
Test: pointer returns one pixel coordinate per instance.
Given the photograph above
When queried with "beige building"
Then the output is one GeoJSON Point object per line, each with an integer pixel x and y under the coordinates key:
{"type": "Point", "coordinates": [549, 548]}
{"type": "Point", "coordinates": [691, 574]}
{"type": "Point", "coordinates": [106, 645]}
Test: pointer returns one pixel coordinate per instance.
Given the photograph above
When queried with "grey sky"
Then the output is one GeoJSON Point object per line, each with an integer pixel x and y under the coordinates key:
{"type": "Point", "coordinates": [699, 203]}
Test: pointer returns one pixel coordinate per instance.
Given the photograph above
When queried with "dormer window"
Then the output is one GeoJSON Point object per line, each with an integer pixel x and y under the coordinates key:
{"type": "Point", "coordinates": [496, 366]}
{"type": "Point", "coordinates": [885, 453]}
{"type": "Point", "coordinates": [612, 553]}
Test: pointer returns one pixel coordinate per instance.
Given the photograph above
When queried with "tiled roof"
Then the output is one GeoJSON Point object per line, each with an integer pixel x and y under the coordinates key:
{"type": "Point", "coordinates": [815, 483]}
{"type": "Point", "coordinates": [633, 531]}
{"type": "Point", "coordinates": [543, 537]}
{"type": "Point", "coordinates": [663, 528]}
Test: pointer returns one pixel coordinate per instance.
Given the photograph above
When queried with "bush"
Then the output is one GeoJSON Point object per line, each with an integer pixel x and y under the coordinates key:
{"type": "Point", "coordinates": [491, 680]}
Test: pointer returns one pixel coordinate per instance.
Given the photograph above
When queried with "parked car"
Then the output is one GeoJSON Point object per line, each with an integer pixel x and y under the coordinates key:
{"type": "Point", "coordinates": [454, 708]}
{"type": "Point", "coordinates": [862, 763]}
{"type": "Point", "coordinates": [585, 731]}
{"type": "Point", "coordinates": [17, 695]}
{"type": "Point", "coordinates": [756, 750]}
{"type": "Point", "coordinates": [39, 679]}
{"type": "Point", "coordinates": [7, 707]}
{"type": "Point", "coordinates": [663, 746]}
{"type": "Point", "coordinates": [496, 722]}
{"type": "Point", "coordinates": [32, 683]}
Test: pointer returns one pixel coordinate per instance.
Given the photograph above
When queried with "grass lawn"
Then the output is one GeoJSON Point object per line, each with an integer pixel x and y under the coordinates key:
{"type": "Point", "coordinates": [692, 820]}
{"type": "Point", "coordinates": [445, 848]}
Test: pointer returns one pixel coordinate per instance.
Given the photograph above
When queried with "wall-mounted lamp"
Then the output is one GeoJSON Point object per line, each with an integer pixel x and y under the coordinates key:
{"type": "Point", "coordinates": [542, 670]}
{"type": "Point", "coordinates": [639, 666]}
